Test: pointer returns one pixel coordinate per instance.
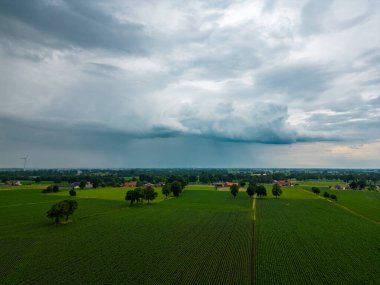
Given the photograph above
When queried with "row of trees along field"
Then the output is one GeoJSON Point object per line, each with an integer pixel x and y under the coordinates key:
{"type": "Point", "coordinates": [257, 189]}
{"type": "Point", "coordinates": [139, 194]}
{"type": "Point", "coordinates": [317, 191]}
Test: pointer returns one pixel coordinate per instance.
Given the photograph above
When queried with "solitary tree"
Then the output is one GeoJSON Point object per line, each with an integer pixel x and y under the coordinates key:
{"type": "Point", "coordinates": [261, 191]}
{"type": "Point", "coordinates": [176, 188]}
{"type": "Point", "coordinates": [133, 195]}
{"type": "Point", "coordinates": [148, 193]}
{"type": "Point", "coordinates": [326, 195]}
{"type": "Point", "coordinates": [315, 190]}
{"type": "Point", "coordinates": [251, 190]}
{"type": "Point", "coordinates": [72, 192]}
{"type": "Point", "coordinates": [334, 197]}
{"type": "Point", "coordinates": [166, 190]}
{"type": "Point", "coordinates": [234, 189]}
{"type": "Point", "coordinates": [276, 190]}
{"type": "Point", "coordinates": [62, 209]}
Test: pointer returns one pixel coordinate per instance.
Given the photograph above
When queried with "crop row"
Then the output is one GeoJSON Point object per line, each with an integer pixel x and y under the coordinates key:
{"type": "Point", "coordinates": [310, 241]}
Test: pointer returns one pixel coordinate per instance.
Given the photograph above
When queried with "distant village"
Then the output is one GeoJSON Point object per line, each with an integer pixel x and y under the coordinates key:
{"type": "Point", "coordinates": [131, 184]}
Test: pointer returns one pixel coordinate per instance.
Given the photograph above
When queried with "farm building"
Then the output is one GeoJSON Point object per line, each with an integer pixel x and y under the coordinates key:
{"type": "Point", "coordinates": [341, 187]}
{"type": "Point", "coordinates": [74, 185]}
{"type": "Point", "coordinates": [282, 182]}
{"type": "Point", "coordinates": [13, 182]}
{"type": "Point", "coordinates": [224, 184]}
{"type": "Point", "coordinates": [129, 184]}
{"type": "Point", "coordinates": [154, 185]}
{"type": "Point", "coordinates": [89, 185]}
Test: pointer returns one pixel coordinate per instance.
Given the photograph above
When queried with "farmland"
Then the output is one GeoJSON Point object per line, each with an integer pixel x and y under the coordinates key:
{"type": "Point", "coordinates": [170, 242]}
{"type": "Point", "coordinates": [303, 239]}
{"type": "Point", "coordinates": [203, 237]}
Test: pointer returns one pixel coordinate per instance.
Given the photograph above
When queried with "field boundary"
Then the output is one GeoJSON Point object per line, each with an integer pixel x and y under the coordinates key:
{"type": "Point", "coordinates": [345, 208]}
{"type": "Point", "coordinates": [28, 204]}
{"type": "Point", "coordinates": [254, 249]}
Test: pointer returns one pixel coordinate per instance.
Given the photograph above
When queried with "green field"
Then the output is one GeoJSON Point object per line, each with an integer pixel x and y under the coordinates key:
{"type": "Point", "coordinates": [303, 239]}
{"type": "Point", "coordinates": [320, 183]}
{"type": "Point", "coordinates": [203, 237]}
{"type": "Point", "coordinates": [171, 242]}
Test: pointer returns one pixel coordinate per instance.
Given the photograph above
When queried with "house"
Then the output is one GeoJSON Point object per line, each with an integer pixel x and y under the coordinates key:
{"type": "Point", "coordinates": [218, 184]}
{"type": "Point", "coordinates": [89, 185]}
{"type": "Point", "coordinates": [282, 183]}
{"type": "Point", "coordinates": [340, 187]}
{"type": "Point", "coordinates": [13, 182]}
{"type": "Point", "coordinates": [159, 184]}
{"type": "Point", "coordinates": [74, 185]}
{"type": "Point", "coordinates": [224, 184]}
{"type": "Point", "coordinates": [129, 184]}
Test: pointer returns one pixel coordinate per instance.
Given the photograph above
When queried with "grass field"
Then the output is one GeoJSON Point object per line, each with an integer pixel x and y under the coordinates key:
{"type": "Point", "coordinates": [203, 237]}
{"type": "Point", "coordinates": [107, 193]}
{"type": "Point", "coordinates": [320, 183]}
{"type": "Point", "coordinates": [366, 203]}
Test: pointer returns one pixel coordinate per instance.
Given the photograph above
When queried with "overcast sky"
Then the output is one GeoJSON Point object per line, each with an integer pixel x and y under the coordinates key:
{"type": "Point", "coordinates": [190, 83]}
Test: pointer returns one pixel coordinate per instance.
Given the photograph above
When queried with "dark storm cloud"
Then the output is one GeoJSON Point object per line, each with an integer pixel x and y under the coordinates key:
{"type": "Point", "coordinates": [62, 24]}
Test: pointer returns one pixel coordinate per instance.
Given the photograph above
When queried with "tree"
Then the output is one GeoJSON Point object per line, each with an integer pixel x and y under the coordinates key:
{"type": "Point", "coordinates": [372, 187]}
{"type": "Point", "coordinates": [55, 188]}
{"type": "Point", "coordinates": [362, 184]}
{"type": "Point", "coordinates": [326, 195]}
{"type": "Point", "coordinates": [62, 209]}
{"type": "Point", "coordinates": [95, 183]}
{"type": "Point", "coordinates": [334, 197]}
{"type": "Point", "coordinates": [276, 190]}
{"type": "Point", "coordinates": [261, 191]}
{"type": "Point", "coordinates": [176, 188]}
{"type": "Point", "coordinates": [354, 185]}
{"type": "Point", "coordinates": [251, 190]}
{"type": "Point", "coordinates": [315, 190]}
{"type": "Point", "coordinates": [242, 183]}
{"type": "Point", "coordinates": [234, 189]}
{"type": "Point", "coordinates": [134, 195]}
{"type": "Point", "coordinates": [82, 184]}
{"type": "Point", "coordinates": [148, 193]}
{"type": "Point", "coordinates": [72, 192]}
{"type": "Point", "coordinates": [166, 190]}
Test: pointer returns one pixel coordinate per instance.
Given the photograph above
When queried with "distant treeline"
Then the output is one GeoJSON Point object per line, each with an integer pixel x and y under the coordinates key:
{"type": "Point", "coordinates": [114, 177]}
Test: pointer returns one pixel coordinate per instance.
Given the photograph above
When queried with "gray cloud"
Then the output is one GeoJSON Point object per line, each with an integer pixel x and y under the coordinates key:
{"type": "Point", "coordinates": [126, 78]}
{"type": "Point", "coordinates": [312, 16]}
{"type": "Point", "coordinates": [306, 80]}
{"type": "Point", "coordinates": [69, 23]}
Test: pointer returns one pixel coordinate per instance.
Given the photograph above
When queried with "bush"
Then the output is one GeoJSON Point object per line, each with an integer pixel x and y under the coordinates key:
{"type": "Point", "coordinates": [326, 195]}
{"type": "Point", "coordinates": [72, 192]}
{"type": "Point", "coordinates": [315, 190]}
{"type": "Point", "coordinates": [334, 197]}
{"type": "Point", "coordinates": [51, 188]}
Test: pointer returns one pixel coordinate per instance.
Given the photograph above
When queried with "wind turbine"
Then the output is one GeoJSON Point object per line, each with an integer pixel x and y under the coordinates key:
{"type": "Point", "coordinates": [25, 158]}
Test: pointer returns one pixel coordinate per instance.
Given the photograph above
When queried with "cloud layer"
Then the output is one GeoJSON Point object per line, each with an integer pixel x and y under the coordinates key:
{"type": "Point", "coordinates": [92, 74]}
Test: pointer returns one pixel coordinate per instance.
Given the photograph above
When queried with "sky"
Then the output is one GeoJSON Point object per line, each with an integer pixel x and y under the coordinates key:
{"type": "Point", "coordinates": [169, 83]}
